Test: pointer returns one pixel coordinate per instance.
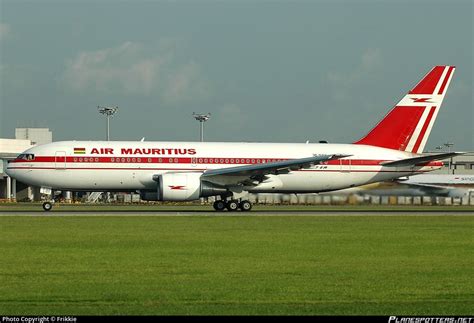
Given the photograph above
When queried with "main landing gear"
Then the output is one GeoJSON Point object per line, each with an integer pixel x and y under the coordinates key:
{"type": "Point", "coordinates": [232, 205]}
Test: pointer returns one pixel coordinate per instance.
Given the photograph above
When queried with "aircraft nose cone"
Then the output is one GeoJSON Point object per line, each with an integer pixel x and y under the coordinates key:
{"type": "Point", "coordinates": [10, 172]}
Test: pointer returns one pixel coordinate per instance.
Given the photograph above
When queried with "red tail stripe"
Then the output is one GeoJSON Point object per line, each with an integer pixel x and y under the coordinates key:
{"type": "Point", "coordinates": [396, 129]}
{"type": "Point", "coordinates": [423, 129]}
{"type": "Point", "coordinates": [429, 82]}
{"type": "Point", "coordinates": [441, 89]}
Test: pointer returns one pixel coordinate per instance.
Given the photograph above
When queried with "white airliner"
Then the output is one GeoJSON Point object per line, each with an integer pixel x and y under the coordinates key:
{"type": "Point", "coordinates": [185, 171]}
{"type": "Point", "coordinates": [445, 185]}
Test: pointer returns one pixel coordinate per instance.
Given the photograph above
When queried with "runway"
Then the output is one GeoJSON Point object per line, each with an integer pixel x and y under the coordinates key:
{"type": "Point", "coordinates": [269, 213]}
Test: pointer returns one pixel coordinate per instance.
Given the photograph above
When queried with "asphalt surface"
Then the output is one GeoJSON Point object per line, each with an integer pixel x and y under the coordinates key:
{"type": "Point", "coordinates": [433, 212]}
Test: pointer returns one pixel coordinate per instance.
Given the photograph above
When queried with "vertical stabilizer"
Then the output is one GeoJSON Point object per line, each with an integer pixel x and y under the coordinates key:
{"type": "Point", "coordinates": [407, 126]}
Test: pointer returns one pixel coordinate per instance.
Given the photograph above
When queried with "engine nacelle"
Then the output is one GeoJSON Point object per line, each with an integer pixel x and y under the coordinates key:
{"type": "Point", "coordinates": [182, 187]}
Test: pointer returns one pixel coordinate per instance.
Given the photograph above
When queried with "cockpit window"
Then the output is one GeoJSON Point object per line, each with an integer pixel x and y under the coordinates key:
{"type": "Point", "coordinates": [26, 156]}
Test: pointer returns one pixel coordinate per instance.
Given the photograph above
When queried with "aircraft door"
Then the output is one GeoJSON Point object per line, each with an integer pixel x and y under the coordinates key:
{"type": "Point", "coordinates": [345, 165]}
{"type": "Point", "coordinates": [60, 160]}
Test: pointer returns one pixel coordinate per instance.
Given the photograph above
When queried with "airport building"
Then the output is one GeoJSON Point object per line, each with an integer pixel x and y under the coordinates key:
{"type": "Point", "coordinates": [25, 138]}
{"type": "Point", "coordinates": [463, 164]}
{"type": "Point", "coordinates": [37, 136]}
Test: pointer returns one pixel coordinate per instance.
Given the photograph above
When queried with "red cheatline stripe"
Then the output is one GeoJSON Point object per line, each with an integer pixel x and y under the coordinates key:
{"type": "Point", "coordinates": [451, 68]}
{"type": "Point", "coordinates": [194, 169]}
{"type": "Point", "coordinates": [76, 160]}
{"type": "Point", "coordinates": [429, 82]}
{"type": "Point", "coordinates": [423, 130]}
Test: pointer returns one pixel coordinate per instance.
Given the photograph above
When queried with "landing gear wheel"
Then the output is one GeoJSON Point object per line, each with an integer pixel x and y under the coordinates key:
{"type": "Point", "coordinates": [245, 206]}
{"type": "Point", "coordinates": [232, 205]}
{"type": "Point", "coordinates": [47, 206]}
{"type": "Point", "coordinates": [219, 205]}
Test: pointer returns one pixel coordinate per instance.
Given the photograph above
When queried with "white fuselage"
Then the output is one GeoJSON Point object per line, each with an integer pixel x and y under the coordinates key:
{"type": "Point", "coordinates": [131, 165]}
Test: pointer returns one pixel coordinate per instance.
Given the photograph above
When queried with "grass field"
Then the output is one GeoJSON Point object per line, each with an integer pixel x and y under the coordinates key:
{"type": "Point", "coordinates": [411, 265]}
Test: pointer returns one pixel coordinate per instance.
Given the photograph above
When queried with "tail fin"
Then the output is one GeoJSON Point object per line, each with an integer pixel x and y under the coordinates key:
{"type": "Point", "coordinates": [407, 126]}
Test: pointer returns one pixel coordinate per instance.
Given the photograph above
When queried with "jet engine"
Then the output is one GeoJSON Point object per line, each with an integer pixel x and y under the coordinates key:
{"type": "Point", "coordinates": [182, 187]}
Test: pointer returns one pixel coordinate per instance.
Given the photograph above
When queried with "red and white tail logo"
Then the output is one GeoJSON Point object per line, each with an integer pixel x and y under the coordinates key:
{"type": "Point", "coordinates": [407, 126]}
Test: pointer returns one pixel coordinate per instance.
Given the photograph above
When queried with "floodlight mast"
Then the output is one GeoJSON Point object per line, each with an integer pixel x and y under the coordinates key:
{"type": "Point", "coordinates": [201, 118]}
{"type": "Point", "coordinates": [449, 145]}
{"type": "Point", "coordinates": [108, 112]}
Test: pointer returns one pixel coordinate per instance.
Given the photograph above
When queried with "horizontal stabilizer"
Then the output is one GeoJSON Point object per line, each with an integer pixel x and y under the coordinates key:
{"type": "Point", "coordinates": [420, 160]}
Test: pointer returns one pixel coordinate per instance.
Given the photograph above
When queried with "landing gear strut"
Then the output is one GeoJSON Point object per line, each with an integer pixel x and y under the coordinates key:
{"type": "Point", "coordinates": [48, 204]}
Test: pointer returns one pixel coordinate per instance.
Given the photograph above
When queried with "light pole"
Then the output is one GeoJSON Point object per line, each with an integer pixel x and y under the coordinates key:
{"type": "Point", "coordinates": [108, 112]}
{"type": "Point", "coordinates": [201, 118]}
{"type": "Point", "coordinates": [449, 145]}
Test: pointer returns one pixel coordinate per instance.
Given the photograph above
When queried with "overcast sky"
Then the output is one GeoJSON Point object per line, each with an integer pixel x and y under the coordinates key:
{"type": "Point", "coordinates": [278, 71]}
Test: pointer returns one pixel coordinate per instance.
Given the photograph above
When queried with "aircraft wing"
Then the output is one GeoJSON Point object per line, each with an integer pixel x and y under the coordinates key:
{"type": "Point", "coordinates": [426, 185]}
{"type": "Point", "coordinates": [254, 174]}
{"type": "Point", "coordinates": [420, 160]}
{"type": "Point", "coordinates": [439, 190]}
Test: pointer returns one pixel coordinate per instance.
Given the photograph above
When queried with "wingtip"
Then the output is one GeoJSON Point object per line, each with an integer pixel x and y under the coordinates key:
{"type": "Point", "coordinates": [339, 156]}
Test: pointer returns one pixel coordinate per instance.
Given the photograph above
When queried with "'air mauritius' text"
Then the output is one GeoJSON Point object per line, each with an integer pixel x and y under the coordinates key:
{"type": "Point", "coordinates": [145, 151]}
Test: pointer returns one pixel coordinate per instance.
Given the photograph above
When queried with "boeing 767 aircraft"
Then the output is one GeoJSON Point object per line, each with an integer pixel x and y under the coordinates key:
{"type": "Point", "coordinates": [185, 171]}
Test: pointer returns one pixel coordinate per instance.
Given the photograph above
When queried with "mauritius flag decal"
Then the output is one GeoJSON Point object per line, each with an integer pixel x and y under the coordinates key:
{"type": "Point", "coordinates": [79, 151]}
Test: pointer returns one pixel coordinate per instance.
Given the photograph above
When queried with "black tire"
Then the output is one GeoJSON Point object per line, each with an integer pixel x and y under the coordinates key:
{"type": "Point", "coordinates": [47, 206]}
{"type": "Point", "coordinates": [232, 205]}
{"type": "Point", "coordinates": [219, 205]}
{"type": "Point", "coordinates": [245, 206]}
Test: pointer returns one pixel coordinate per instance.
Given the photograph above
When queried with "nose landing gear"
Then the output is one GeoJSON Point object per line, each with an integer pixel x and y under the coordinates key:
{"type": "Point", "coordinates": [47, 206]}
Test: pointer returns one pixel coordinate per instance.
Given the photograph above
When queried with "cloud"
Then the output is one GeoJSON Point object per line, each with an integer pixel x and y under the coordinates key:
{"type": "Point", "coordinates": [5, 31]}
{"type": "Point", "coordinates": [186, 83]}
{"type": "Point", "coordinates": [230, 116]}
{"type": "Point", "coordinates": [114, 69]}
{"type": "Point", "coordinates": [127, 69]}
{"type": "Point", "coordinates": [351, 88]}
{"type": "Point", "coordinates": [371, 59]}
